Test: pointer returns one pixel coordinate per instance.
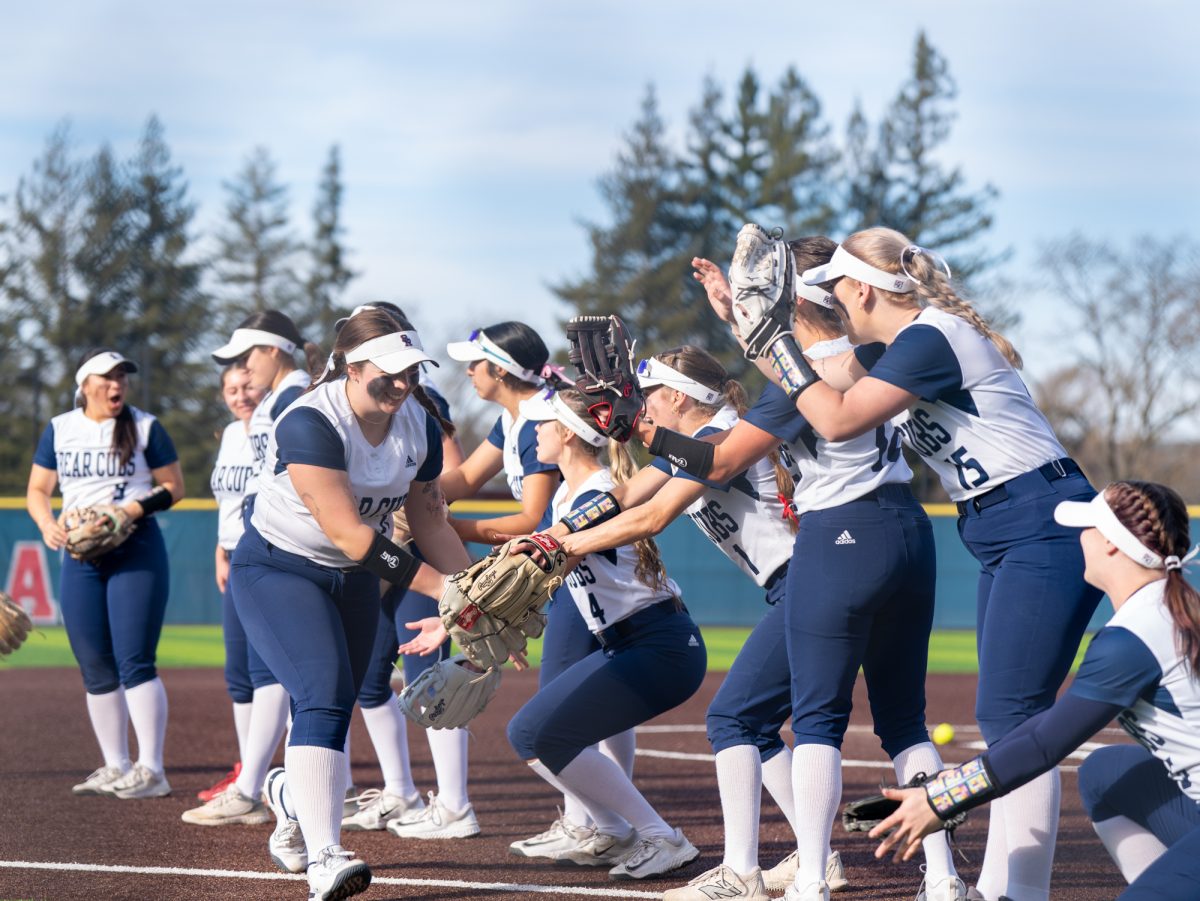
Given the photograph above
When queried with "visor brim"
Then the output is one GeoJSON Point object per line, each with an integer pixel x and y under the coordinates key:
{"type": "Point", "coordinates": [1075, 514]}
{"type": "Point", "coordinates": [465, 351]}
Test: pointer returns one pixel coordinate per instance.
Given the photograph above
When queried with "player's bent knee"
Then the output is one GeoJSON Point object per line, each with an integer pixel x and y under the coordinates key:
{"type": "Point", "coordinates": [1101, 776]}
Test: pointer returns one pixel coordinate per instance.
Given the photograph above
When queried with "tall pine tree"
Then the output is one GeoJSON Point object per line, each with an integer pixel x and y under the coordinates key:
{"type": "Point", "coordinates": [328, 273]}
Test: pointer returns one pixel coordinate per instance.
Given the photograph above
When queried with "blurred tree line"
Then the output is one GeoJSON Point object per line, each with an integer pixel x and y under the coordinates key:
{"type": "Point", "coordinates": [104, 251]}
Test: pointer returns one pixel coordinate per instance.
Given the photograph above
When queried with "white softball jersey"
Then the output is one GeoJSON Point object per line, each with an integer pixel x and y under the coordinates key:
{"type": "Point", "coordinates": [604, 585]}
{"type": "Point", "coordinates": [744, 516]}
{"type": "Point", "coordinates": [975, 423]}
{"type": "Point", "coordinates": [269, 409]}
{"type": "Point", "coordinates": [231, 473]}
{"type": "Point", "coordinates": [89, 471]}
{"type": "Point", "coordinates": [1134, 662]}
{"type": "Point", "coordinates": [829, 473]}
{"type": "Point", "coordinates": [517, 440]}
{"type": "Point", "coordinates": [319, 429]}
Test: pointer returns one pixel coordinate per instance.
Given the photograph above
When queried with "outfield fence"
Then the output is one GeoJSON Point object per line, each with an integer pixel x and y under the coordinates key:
{"type": "Point", "coordinates": [715, 591]}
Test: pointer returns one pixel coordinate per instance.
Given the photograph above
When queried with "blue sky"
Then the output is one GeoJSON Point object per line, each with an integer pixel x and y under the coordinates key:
{"type": "Point", "coordinates": [473, 133]}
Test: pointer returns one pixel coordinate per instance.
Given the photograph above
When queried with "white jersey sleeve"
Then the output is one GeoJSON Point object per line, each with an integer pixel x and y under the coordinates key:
{"type": "Point", "coordinates": [975, 423]}
{"type": "Point", "coordinates": [604, 585]}
{"type": "Point", "coordinates": [319, 429]}
{"type": "Point", "coordinates": [89, 471]}
{"type": "Point", "coordinates": [744, 517]}
{"type": "Point", "coordinates": [269, 409]}
{"type": "Point", "coordinates": [230, 475]}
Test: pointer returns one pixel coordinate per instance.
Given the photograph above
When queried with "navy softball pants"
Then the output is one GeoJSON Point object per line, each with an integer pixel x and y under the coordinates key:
{"type": "Point", "coordinates": [397, 608]}
{"type": "Point", "coordinates": [313, 626]}
{"type": "Point", "coordinates": [1032, 604]}
{"type": "Point", "coordinates": [860, 594]}
{"type": "Point", "coordinates": [623, 685]}
{"type": "Point", "coordinates": [244, 668]}
{"type": "Point", "coordinates": [755, 699]}
{"type": "Point", "coordinates": [113, 608]}
{"type": "Point", "coordinates": [1128, 781]}
{"type": "Point", "coordinates": [567, 639]}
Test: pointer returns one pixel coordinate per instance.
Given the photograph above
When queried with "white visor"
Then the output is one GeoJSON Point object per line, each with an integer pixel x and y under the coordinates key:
{"type": "Point", "coordinates": [844, 263]}
{"type": "Point", "coordinates": [814, 294]}
{"type": "Point", "coordinates": [103, 364]}
{"type": "Point", "coordinates": [547, 406]}
{"type": "Point", "coordinates": [652, 373]}
{"type": "Point", "coordinates": [362, 308]}
{"type": "Point", "coordinates": [1097, 514]}
{"type": "Point", "coordinates": [393, 353]}
{"type": "Point", "coordinates": [243, 339]}
{"type": "Point", "coordinates": [480, 347]}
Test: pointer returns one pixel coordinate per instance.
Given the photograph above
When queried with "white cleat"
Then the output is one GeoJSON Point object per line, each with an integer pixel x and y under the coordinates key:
{"type": "Point", "coordinates": [814, 891]}
{"type": "Point", "coordinates": [436, 821]}
{"type": "Point", "coordinates": [655, 856]}
{"type": "Point", "coordinates": [374, 809]}
{"type": "Point", "coordinates": [229, 808]}
{"type": "Point", "coordinates": [599, 849]}
{"type": "Point", "coordinates": [286, 844]}
{"type": "Point", "coordinates": [99, 782]}
{"type": "Point", "coordinates": [783, 874]}
{"type": "Point", "coordinates": [139, 782]}
{"type": "Point", "coordinates": [721, 882]}
{"type": "Point", "coordinates": [562, 836]}
{"type": "Point", "coordinates": [949, 889]}
{"type": "Point", "coordinates": [337, 874]}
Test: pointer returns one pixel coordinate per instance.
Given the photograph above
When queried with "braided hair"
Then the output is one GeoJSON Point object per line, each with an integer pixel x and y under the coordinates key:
{"type": "Point", "coordinates": [1158, 518]}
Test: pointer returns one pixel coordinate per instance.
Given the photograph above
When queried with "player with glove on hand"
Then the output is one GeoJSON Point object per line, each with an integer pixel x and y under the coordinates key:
{"type": "Point", "coordinates": [107, 456]}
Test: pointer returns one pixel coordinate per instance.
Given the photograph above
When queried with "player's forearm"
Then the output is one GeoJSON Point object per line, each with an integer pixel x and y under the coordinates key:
{"type": "Point", "coordinates": [632, 525]}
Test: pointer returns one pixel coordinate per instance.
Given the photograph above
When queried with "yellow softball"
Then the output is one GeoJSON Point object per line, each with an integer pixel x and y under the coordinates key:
{"type": "Point", "coordinates": [943, 733]}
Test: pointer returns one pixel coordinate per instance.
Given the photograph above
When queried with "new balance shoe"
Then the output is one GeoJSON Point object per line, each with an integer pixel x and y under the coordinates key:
{"type": "Point", "coordinates": [599, 849]}
{"type": "Point", "coordinates": [436, 821]}
{"type": "Point", "coordinates": [721, 882]}
{"type": "Point", "coordinates": [374, 809]}
{"type": "Point", "coordinates": [562, 836]}
{"type": "Point", "coordinates": [99, 782]}
{"type": "Point", "coordinates": [814, 891]}
{"type": "Point", "coordinates": [337, 874]}
{"type": "Point", "coordinates": [221, 784]}
{"type": "Point", "coordinates": [229, 808]}
{"type": "Point", "coordinates": [286, 844]}
{"type": "Point", "coordinates": [783, 874]}
{"type": "Point", "coordinates": [140, 782]}
{"type": "Point", "coordinates": [654, 856]}
{"type": "Point", "coordinates": [949, 889]}
{"type": "Point", "coordinates": [974, 894]}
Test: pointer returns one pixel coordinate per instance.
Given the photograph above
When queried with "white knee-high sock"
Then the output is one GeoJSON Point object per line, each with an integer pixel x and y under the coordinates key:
{"type": "Point", "coordinates": [268, 717]}
{"type": "Point", "coordinates": [603, 818]}
{"type": "Point", "coordinates": [389, 734]}
{"type": "Point", "coordinates": [817, 788]}
{"type": "Point", "coordinates": [924, 758]}
{"type": "Point", "coordinates": [777, 780]}
{"type": "Point", "coordinates": [347, 775]}
{"type": "Point", "coordinates": [241, 725]}
{"type": "Point", "coordinates": [449, 750]}
{"type": "Point", "coordinates": [1030, 829]}
{"type": "Point", "coordinates": [1131, 847]}
{"type": "Point", "coordinates": [575, 810]}
{"type": "Point", "coordinates": [600, 783]}
{"type": "Point", "coordinates": [621, 749]}
{"type": "Point", "coordinates": [316, 783]}
{"type": "Point", "coordinates": [739, 780]}
{"type": "Point", "coordinates": [993, 874]}
{"type": "Point", "coordinates": [148, 714]}
{"type": "Point", "coordinates": [110, 721]}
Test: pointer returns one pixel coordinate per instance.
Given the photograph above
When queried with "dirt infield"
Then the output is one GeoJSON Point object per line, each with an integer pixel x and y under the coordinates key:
{"type": "Point", "coordinates": [141, 849]}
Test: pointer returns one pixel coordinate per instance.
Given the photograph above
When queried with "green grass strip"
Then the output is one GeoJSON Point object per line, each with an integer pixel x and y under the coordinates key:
{"type": "Point", "coordinates": [949, 651]}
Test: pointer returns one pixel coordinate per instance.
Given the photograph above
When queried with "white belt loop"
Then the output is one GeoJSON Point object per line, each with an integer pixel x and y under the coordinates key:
{"type": "Point", "coordinates": [1059, 468]}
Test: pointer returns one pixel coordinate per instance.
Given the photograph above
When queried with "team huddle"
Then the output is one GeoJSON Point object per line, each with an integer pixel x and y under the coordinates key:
{"type": "Point", "coordinates": [338, 561]}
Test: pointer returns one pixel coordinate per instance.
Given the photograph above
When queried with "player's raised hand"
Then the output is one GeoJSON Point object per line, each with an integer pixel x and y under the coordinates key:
{"type": "Point", "coordinates": [716, 286]}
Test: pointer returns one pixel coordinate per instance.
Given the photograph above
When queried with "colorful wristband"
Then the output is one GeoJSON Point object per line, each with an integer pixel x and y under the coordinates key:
{"type": "Point", "coordinates": [598, 509]}
{"type": "Point", "coordinates": [956, 791]}
{"type": "Point", "coordinates": [693, 456]}
{"type": "Point", "coordinates": [788, 363]}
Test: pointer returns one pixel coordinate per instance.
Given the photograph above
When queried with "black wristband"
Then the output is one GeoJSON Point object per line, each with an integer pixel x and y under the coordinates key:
{"type": "Point", "coordinates": [390, 562]}
{"type": "Point", "coordinates": [156, 501]}
{"type": "Point", "coordinates": [592, 512]}
{"type": "Point", "coordinates": [790, 365]}
{"type": "Point", "coordinates": [693, 456]}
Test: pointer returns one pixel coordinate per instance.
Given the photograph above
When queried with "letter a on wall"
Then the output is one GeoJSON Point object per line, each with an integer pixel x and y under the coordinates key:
{"type": "Point", "coordinates": [29, 581]}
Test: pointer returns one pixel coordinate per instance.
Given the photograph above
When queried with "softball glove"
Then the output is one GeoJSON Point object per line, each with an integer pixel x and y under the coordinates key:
{"type": "Point", "coordinates": [15, 625]}
{"type": "Point", "coordinates": [603, 357]}
{"type": "Point", "coordinates": [94, 531]}
{"type": "Point", "coordinates": [449, 694]}
{"type": "Point", "coordinates": [762, 277]}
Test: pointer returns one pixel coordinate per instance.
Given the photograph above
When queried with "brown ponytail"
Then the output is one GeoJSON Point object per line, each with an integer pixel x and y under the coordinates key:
{"type": "Point", "coordinates": [422, 397]}
{"type": "Point", "coordinates": [1158, 518]}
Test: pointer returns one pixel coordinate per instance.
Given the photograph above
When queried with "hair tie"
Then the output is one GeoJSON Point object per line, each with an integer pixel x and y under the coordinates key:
{"type": "Point", "coordinates": [1174, 563]}
{"type": "Point", "coordinates": [916, 250]}
{"type": "Point", "coordinates": [555, 375]}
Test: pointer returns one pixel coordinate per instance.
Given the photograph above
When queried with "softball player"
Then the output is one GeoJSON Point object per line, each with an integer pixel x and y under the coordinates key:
{"type": "Point", "coordinates": [231, 471]}
{"type": "Point", "coordinates": [972, 420]}
{"type": "Point", "coordinates": [265, 343]}
{"type": "Point", "coordinates": [507, 363]}
{"type": "Point", "coordinates": [861, 576]}
{"type": "Point", "coordinates": [107, 451]}
{"type": "Point", "coordinates": [1140, 669]}
{"type": "Point", "coordinates": [651, 659]}
{"type": "Point", "coordinates": [359, 445]}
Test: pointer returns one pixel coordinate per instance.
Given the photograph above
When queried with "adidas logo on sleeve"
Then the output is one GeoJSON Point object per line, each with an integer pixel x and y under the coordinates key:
{"type": "Point", "coordinates": [845, 538]}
